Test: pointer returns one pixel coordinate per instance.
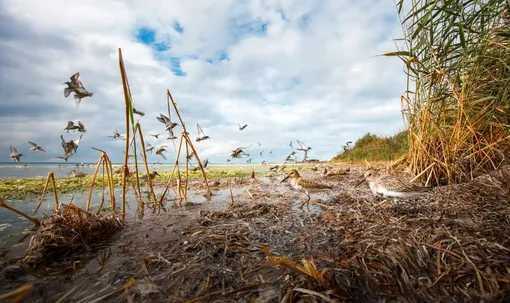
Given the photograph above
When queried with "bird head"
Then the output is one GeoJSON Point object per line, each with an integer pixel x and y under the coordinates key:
{"type": "Point", "coordinates": [367, 176]}
{"type": "Point", "coordinates": [293, 174]}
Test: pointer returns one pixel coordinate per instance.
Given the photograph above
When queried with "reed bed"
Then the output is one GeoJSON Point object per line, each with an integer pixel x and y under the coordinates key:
{"type": "Point", "coordinates": [457, 102]}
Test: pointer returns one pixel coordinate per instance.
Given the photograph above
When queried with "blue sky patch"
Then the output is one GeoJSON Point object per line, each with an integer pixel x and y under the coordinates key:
{"type": "Point", "coordinates": [146, 35]}
{"type": "Point", "coordinates": [175, 66]}
{"type": "Point", "coordinates": [178, 28]}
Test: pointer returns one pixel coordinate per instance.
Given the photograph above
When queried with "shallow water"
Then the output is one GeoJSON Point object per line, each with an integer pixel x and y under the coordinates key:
{"type": "Point", "coordinates": [14, 228]}
{"type": "Point", "coordinates": [19, 170]}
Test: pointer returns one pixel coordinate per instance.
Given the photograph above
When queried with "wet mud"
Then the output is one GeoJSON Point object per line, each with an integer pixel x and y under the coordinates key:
{"type": "Point", "coordinates": [347, 247]}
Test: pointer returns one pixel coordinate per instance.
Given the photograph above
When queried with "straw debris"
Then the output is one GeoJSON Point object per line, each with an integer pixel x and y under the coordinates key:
{"type": "Point", "coordinates": [67, 233]}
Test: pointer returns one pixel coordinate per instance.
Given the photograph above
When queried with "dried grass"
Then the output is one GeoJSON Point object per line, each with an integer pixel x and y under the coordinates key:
{"type": "Point", "coordinates": [69, 232]}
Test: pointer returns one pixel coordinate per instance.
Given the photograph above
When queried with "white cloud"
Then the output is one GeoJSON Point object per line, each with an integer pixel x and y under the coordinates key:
{"type": "Point", "coordinates": [291, 70]}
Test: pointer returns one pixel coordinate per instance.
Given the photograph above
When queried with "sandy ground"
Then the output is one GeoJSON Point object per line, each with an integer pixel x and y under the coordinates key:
{"type": "Point", "coordinates": [346, 247]}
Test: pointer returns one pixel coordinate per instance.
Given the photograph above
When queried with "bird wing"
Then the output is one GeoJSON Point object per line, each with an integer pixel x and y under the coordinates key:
{"type": "Point", "coordinates": [81, 125]}
{"type": "Point", "coordinates": [13, 150]}
{"type": "Point", "coordinates": [245, 147]}
{"type": "Point", "coordinates": [67, 91]}
{"type": "Point", "coordinates": [78, 141]}
{"type": "Point", "coordinates": [63, 141]}
{"type": "Point", "coordinates": [32, 143]}
{"type": "Point", "coordinates": [303, 146]}
{"type": "Point", "coordinates": [74, 78]}
{"type": "Point", "coordinates": [200, 131]}
{"type": "Point", "coordinates": [70, 124]}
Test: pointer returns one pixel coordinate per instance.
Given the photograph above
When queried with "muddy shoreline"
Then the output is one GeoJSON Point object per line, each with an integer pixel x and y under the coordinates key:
{"type": "Point", "coordinates": [453, 246]}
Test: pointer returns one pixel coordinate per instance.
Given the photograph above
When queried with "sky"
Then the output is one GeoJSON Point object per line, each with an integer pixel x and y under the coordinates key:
{"type": "Point", "coordinates": [292, 70]}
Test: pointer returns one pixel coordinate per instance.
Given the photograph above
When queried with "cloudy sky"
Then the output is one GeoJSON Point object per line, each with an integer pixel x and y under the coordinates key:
{"type": "Point", "coordinates": [290, 69]}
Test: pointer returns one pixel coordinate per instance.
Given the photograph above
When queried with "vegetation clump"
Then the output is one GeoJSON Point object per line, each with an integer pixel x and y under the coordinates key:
{"type": "Point", "coordinates": [457, 101]}
{"type": "Point", "coordinates": [371, 147]}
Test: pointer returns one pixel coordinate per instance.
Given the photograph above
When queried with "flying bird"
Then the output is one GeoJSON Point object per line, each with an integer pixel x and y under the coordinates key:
{"type": "Point", "coordinates": [138, 112]}
{"type": "Point", "coordinates": [15, 155]}
{"type": "Point", "coordinates": [172, 135]}
{"type": "Point", "coordinates": [291, 144]}
{"type": "Point", "coordinates": [160, 151]}
{"type": "Point", "coordinates": [156, 136]}
{"type": "Point", "coordinates": [261, 153]}
{"type": "Point", "coordinates": [259, 143]}
{"type": "Point", "coordinates": [71, 126]}
{"type": "Point", "coordinates": [115, 134]}
{"type": "Point", "coordinates": [35, 147]}
{"type": "Point", "coordinates": [303, 148]}
{"type": "Point", "coordinates": [166, 120]}
{"type": "Point", "coordinates": [242, 127]}
{"type": "Point", "coordinates": [81, 127]}
{"type": "Point", "coordinates": [201, 135]}
{"type": "Point", "coordinates": [65, 158]}
{"type": "Point", "coordinates": [70, 146]}
{"type": "Point", "coordinates": [76, 86]}
{"type": "Point", "coordinates": [149, 148]}
{"type": "Point", "coordinates": [73, 84]}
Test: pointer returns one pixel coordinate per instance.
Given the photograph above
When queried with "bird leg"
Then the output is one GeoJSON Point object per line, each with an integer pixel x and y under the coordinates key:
{"type": "Point", "coordinates": [306, 202]}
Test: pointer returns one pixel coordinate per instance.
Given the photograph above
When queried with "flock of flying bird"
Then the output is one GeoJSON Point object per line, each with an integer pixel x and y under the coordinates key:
{"type": "Point", "coordinates": [70, 147]}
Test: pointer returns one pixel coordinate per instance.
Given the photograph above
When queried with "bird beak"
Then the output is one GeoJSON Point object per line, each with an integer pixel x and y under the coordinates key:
{"type": "Point", "coordinates": [284, 179]}
{"type": "Point", "coordinates": [360, 182]}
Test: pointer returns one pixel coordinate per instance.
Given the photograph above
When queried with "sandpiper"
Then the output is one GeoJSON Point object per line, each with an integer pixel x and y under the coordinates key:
{"type": "Point", "coordinates": [261, 153]}
{"type": "Point", "coordinates": [241, 127]}
{"type": "Point", "coordinates": [70, 146]}
{"type": "Point", "coordinates": [166, 120]}
{"type": "Point", "coordinates": [172, 135]}
{"type": "Point", "coordinates": [304, 149]}
{"type": "Point", "coordinates": [77, 174]}
{"type": "Point", "coordinates": [391, 186]}
{"type": "Point", "coordinates": [138, 112]}
{"type": "Point", "coordinates": [14, 154]}
{"type": "Point", "coordinates": [152, 175]}
{"type": "Point", "coordinates": [149, 148]}
{"type": "Point", "coordinates": [301, 184]}
{"type": "Point", "coordinates": [80, 93]}
{"type": "Point", "coordinates": [71, 85]}
{"type": "Point", "coordinates": [71, 126]}
{"type": "Point", "coordinates": [116, 134]}
{"type": "Point", "coordinates": [65, 158]}
{"type": "Point", "coordinates": [81, 127]}
{"type": "Point", "coordinates": [201, 135]}
{"type": "Point", "coordinates": [35, 147]}
{"type": "Point", "coordinates": [160, 151]}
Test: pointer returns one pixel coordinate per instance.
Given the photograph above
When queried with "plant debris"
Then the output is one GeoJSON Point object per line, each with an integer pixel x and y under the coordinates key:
{"type": "Point", "coordinates": [67, 233]}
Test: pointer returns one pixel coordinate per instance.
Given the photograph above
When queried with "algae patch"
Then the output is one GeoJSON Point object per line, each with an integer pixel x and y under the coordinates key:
{"type": "Point", "coordinates": [33, 187]}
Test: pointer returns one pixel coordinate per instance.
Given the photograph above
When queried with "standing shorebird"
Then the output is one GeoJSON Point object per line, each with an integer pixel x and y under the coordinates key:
{"type": "Point", "coordinates": [301, 184]}
{"type": "Point", "coordinates": [77, 174]}
{"type": "Point", "coordinates": [390, 186]}
{"type": "Point", "coordinates": [152, 175]}
{"type": "Point", "coordinates": [201, 135]}
{"type": "Point", "coordinates": [15, 155]}
{"type": "Point", "coordinates": [35, 147]}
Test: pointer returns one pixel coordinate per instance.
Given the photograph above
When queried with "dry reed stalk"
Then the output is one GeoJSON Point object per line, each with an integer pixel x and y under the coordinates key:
{"type": "Point", "coordinates": [35, 220]}
{"type": "Point", "coordinates": [456, 104]}
{"type": "Point", "coordinates": [126, 154]}
{"type": "Point", "coordinates": [17, 295]}
{"type": "Point", "coordinates": [52, 177]}
{"type": "Point", "coordinates": [91, 188]}
{"type": "Point", "coordinates": [186, 134]}
{"type": "Point", "coordinates": [144, 154]}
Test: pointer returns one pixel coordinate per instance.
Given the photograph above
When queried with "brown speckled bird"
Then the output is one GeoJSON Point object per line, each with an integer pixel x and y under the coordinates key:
{"type": "Point", "coordinates": [301, 184]}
